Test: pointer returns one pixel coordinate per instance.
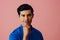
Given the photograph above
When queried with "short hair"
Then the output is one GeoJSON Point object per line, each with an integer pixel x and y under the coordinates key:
{"type": "Point", "coordinates": [24, 7]}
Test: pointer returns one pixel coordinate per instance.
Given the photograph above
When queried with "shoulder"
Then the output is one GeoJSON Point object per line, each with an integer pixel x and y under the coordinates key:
{"type": "Point", "coordinates": [17, 30]}
{"type": "Point", "coordinates": [15, 33]}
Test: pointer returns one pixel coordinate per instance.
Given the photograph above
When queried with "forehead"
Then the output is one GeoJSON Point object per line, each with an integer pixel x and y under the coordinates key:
{"type": "Point", "coordinates": [26, 12]}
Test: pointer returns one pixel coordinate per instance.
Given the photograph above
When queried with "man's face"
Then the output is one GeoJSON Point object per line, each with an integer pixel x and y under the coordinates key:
{"type": "Point", "coordinates": [26, 17]}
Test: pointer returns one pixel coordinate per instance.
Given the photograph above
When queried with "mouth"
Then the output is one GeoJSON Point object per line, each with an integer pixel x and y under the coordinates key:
{"type": "Point", "coordinates": [27, 22]}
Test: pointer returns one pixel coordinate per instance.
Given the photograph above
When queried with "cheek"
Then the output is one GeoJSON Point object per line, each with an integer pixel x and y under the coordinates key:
{"type": "Point", "coordinates": [30, 18]}
{"type": "Point", "coordinates": [21, 19]}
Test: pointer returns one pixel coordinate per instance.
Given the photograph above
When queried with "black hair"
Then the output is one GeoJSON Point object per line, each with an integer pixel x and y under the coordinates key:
{"type": "Point", "coordinates": [24, 7]}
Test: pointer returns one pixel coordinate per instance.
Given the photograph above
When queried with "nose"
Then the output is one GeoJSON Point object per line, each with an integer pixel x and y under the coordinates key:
{"type": "Point", "coordinates": [26, 18]}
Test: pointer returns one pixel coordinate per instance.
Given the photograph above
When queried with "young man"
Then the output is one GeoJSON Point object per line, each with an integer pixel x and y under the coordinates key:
{"type": "Point", "coordinates": [25, 31]}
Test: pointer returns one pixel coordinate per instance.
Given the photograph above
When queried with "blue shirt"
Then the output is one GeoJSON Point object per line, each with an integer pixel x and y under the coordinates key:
{"type": "Point", "coordinates": [17, 34]}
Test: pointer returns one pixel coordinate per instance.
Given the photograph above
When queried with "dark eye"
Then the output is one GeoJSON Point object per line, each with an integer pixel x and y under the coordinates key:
{"type": "Point", "coordinates": [23, 15]}
{"type": "Point", "coordinates": [29, 14]}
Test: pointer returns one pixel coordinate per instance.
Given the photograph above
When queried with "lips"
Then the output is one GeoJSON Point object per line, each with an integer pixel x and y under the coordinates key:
{"type": "Point", "coordinates": [26, 21]}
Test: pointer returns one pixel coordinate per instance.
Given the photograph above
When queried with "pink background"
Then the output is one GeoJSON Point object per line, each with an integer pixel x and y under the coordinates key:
{"type": "Point", "coordinates": [46, 18]}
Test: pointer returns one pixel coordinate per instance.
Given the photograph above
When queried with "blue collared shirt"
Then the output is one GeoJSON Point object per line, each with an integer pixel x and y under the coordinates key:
{"type": "Point", "coordinates": [17, 34]}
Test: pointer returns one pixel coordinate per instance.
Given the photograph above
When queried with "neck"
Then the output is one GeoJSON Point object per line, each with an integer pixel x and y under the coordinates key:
{"type": "Point", "coordinates": [27, 26]}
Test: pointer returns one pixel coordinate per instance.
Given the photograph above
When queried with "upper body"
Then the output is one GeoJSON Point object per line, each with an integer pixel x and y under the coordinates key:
{"type": "Point", "coordinates": [17, 34]}
{"type": "Point", "coordinates": [26, 31]}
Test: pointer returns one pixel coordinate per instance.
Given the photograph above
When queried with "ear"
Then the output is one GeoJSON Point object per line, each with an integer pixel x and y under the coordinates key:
{"type": "Point", "coordinates": [19, 16]}
{"type": "Point", "coordinates": [32, 15]}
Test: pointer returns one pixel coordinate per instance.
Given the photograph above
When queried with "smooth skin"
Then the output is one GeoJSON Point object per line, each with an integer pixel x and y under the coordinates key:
{"type": "Point", "coordinates": [26, 17]}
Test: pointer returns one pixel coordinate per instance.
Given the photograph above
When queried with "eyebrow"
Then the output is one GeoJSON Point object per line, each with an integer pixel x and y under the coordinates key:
{"type": "Point", "coordinates": [29, 14]}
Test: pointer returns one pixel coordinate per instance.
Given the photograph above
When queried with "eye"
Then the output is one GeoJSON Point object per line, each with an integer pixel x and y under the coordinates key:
{"type": "Point", "coordinates": [29, 14]}
{"type": "Point", "coordinates": [23, 15]}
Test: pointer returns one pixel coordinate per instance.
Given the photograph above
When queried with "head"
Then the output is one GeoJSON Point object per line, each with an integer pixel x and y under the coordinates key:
{"type": "Point", "coordinates": [25, 13]}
